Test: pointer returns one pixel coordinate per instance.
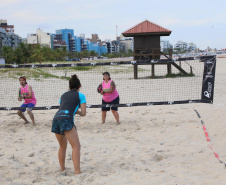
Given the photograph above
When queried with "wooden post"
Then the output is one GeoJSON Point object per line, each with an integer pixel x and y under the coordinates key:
{"type": "Point", "coordinates": [169, 71]}
{"type": "Point", "coordinates": [170, 53]}
{"type": "Point", "coordinates": [135, 71]}
{"type": "Point", "coordinates": [153, 70]}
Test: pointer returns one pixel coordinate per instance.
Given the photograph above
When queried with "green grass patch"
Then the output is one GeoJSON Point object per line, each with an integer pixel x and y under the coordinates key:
{"type": "Point", "coordinates": [179, 75]}
{"type": "Point", "coordinates": [37, 74]}
{"type": "Point", "coordinates": [61, 72]}
{"type": "Point", "coordinates": [77, 68]}
{"type": "Point", "coordinates": [167, 76]}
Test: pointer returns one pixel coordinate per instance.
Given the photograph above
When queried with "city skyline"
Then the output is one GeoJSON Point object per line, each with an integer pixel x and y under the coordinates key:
{"type": "Point", "coordinates": [202, 23]}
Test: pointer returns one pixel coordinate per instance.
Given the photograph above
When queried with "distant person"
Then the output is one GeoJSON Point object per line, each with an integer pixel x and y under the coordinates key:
{"type": "Point", "coordinates": [63, 123]}
{"type": "Point", "coordinates": [110, 96]}
{"type": "Point", "coordinates": [26, 93]}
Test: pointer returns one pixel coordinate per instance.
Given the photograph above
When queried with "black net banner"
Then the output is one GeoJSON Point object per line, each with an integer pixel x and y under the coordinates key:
{"type": "Point", "coordinates": [208, 78]}
{"type": "Point", "coordinates": [157, 82]}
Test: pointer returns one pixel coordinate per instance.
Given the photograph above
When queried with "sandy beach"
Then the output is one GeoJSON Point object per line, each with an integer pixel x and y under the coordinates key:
{"type": "Point", "coordinates": [153, 145]}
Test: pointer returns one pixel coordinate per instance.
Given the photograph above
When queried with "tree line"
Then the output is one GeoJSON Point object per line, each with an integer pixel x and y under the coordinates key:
{"type": "Point", "coordinates": [26, 53]}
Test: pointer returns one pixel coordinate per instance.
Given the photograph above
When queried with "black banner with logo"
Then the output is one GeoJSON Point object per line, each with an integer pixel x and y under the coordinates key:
{"type": "Point", "coordinates": [208, 77]}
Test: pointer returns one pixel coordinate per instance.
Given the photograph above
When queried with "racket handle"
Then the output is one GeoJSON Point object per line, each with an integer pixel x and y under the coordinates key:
{"type": "Point", "coordinates": [20, 93]}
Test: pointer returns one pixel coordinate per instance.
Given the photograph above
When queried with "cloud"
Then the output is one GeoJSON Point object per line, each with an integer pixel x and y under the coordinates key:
{"type": "Point", "coordinates": [171, 21]}
{"type": "Point", "coordinates": [183, 22]}
{"type": "Point", "coordinates": [195, 21]}
{"type": "Point", "coordinates": [9, 2]}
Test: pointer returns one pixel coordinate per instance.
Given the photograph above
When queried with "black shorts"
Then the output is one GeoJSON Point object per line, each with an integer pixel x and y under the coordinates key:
{"type": "Point", "coordinates": [59, 126]}
{"type": "Point", "coordinates": [115, 101]}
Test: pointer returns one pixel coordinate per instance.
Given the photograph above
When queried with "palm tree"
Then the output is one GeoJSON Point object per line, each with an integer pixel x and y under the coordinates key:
{"type": "Point", "coordinates": [26, 50]}
{"type": "Point", "coordinates": [93, 54]}
{"type": "Point", "coordinates": [7, 53]}
{"type": "Point", "coordinates": [64, 53]}
{"type": "Point", "coordinates": [47, 53]}
{"type": "Point", "coordinates": [82, 54]}
{"type": "Point", "coordinates": [57, 54]}
{"type": "Point", "coordinates": [85, 53]}
{"type": "Point", "coordinates": [38, 55]}
{"type": "Point", "coordinates": [18, 55]}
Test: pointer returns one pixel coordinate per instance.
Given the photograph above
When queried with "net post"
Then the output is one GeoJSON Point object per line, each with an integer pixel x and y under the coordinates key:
{"type": "Point", "coordinates": [135, 71]}
{"type": "Point", "coordinates": [169, 70]}
{"type": "Point", "coordinates": [208, 77]}
{"type": "Point", "coordinates": [170, 53]}
{"type": "Point", "coordinates": [153, 70]}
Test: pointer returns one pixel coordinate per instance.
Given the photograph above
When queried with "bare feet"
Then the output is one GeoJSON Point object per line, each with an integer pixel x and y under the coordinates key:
{"type": "Point", "coordinates": [63, 172]}
{"type": "Point", "coordinates": [34, 123]}
{"type": "Point", "coordinates": [77, 172]}
{"type": "Point", "coordinates": [26, 122]}
{"type": "Point", "coordinates": [118, 123]}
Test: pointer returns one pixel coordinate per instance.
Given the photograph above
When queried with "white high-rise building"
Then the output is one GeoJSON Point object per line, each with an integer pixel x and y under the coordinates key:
{"type": "Point", "coordinates": [165, 44]}
{"type": "Point", "coordinates": [192, 47]}
{"type": "Point", "coordinates": [41, 38]}
{"type": "Point", "coordinates": [127, 42]}
{"type": "Point", "coordinates": [181, 45]}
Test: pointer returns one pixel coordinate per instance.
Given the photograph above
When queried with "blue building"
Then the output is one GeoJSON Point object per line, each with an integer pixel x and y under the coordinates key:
{"type": "Point", "coordinates": [103, 49]}
{"type": "Point", "coordinates": [66, 35]}
{"type": "Point", "coordinates": [95, 47]}
{"type": "Point", "coordinates": [75, 43]}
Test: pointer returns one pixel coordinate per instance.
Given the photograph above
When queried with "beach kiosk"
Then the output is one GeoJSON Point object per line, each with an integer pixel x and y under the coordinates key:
{"type": "Point", "coordinates": [147, 42]}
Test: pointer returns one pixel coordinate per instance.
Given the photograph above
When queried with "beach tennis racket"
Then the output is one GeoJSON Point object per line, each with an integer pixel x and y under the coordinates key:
{"type": "Point", "coordinates": [99, 88]}
{"type": "Point", "coordinates": [20, 93]}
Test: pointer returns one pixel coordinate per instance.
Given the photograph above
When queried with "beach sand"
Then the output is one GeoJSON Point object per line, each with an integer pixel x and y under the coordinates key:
{"type": "Point", "coordinates": [162, 144]}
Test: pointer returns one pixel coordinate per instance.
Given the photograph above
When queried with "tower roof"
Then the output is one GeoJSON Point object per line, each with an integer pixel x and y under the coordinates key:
{"type": "Point", "coordinates": [146, 28]}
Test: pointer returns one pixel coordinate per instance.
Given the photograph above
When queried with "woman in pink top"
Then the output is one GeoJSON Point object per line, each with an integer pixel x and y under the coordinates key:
{"type": "Point", "coordinates": [26, 93]}
{"type": "Point", "coordinates": [110, 96]}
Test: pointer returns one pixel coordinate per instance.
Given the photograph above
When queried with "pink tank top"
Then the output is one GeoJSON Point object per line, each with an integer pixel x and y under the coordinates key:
{"type": "Point", "coordinates": [24, 92]}
{"type": "Point", "coordinates": [109, 97]}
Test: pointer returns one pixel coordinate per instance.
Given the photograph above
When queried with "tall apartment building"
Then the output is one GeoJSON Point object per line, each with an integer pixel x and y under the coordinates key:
{"type": "Point", "coordinates": [4, 25]}
{"type": "Point", "coordinates": [127, 43]}
{"type": "Point", "coordinates": [181, 45]}
{"type": "Point", "coordinates": [115, 45]}
{"type": "Point", "coordinates": [89, 46]}
{"type": "Point", "coordinates": [165, 44]}
{"type": "Point", "coordinates": [7, 35]}
{"type": "Point", "coordinates": [41, 38]}
{"type": "Point", "coordinates": [66, 35]}
{"type": "Point", "coordinates": [185, 46]}
{"type": "Point", "coordinates": [192, 47]}
{"type": "Point", "coordinates": [94, 39]}
{"type": "Point", "coordinates": [78, 43]}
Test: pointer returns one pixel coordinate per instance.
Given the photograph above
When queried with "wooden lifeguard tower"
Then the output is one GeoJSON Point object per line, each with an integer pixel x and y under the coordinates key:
{"type": "Point", "coordinates": [147, 42]}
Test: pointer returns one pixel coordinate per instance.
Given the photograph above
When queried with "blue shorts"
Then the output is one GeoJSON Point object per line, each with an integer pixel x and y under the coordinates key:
{"type": "Point", "coordinates": [115, 101]}
{"type": "Point", "coordinates": [59, 126]}
{"type": "Point", "coordinates": [27, 106]}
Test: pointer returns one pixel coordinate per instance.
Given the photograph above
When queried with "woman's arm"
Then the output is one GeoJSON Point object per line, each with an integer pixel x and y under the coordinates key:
{"type": "Point", "coordinates": [30, 93]}
{"type": "Point", "coordinates": [83, 110]}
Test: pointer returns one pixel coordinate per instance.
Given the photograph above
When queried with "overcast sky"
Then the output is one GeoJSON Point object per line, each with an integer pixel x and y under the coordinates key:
{"type": "Point", "coordinates": [202, 22]}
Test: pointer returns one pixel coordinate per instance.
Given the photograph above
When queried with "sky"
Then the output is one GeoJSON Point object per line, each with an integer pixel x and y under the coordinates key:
{"type": "Point", "coordinates": [202, 22]}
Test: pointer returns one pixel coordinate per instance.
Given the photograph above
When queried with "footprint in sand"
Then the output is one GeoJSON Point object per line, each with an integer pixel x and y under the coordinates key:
{"type": "Point", "coordinates": [157, 157]}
